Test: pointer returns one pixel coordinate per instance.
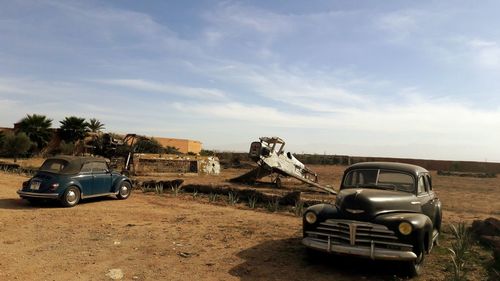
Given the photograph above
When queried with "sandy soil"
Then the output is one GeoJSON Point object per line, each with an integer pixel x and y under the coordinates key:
{"type": "Point", "coordinates": [167, 237]}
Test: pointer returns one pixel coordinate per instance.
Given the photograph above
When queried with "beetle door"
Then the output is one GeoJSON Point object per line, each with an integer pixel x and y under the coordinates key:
{"type": "Point", "coordinates": [102, 178]}
{"type": "Point", "coordinates": [86, 179]}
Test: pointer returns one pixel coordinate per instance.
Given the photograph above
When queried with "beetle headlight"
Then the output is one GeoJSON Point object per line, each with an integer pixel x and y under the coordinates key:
{"type": "Point", "coordinates": [311, 217]}
{"type": "Point", "coordinates": [405, 228]}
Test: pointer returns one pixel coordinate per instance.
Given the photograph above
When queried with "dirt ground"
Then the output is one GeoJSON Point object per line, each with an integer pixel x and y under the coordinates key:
{"type": "Point", "coordinates": [168, 237]}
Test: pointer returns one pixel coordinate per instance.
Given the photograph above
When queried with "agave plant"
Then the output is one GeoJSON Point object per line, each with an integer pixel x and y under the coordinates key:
{"type": "Point", "coordinates": [233, 198]}
{"type": "Point", "coordinates": [273, 205]}
{"type": "Point", "coordinates": [252, 201]}
{"type": "Point", "coordinates": [459, 251]}
{"type": "Point", "coordinates": [299, 208]}
{"type": "Point", "coordinates": [212, 197]}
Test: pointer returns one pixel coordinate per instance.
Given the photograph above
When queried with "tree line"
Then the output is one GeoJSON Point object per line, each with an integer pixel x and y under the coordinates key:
{"type": "Point", "coordinates": [33, 135]}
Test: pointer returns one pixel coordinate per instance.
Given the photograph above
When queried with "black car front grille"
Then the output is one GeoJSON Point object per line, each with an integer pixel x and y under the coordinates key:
{"type": "Point", "coordinates": [357, 233]}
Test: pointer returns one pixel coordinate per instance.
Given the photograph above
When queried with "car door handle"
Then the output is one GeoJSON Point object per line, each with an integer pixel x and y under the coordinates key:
{"type": "Point", "coordinates": [415, 203]}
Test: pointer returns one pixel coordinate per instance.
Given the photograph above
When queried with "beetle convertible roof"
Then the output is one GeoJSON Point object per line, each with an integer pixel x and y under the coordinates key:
{"type": "Point", "coordinates": [72, 164]}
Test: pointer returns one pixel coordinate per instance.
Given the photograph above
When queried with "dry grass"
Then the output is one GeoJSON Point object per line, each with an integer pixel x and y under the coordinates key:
{"type": "Point", "coordinates": [271, 243]}
{"type": "Point", "coordinates": [26, 163]}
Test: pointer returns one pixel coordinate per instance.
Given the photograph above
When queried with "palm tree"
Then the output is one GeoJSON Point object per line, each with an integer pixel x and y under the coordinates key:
{"type": "Point", "coordinates": [95, 125]}
{"type": "Point", "coordinates": [37, 128]}
{"type": "Point", "coordinates": [2, 138]}
{"type": "Point", "coordinates": [73, 129]}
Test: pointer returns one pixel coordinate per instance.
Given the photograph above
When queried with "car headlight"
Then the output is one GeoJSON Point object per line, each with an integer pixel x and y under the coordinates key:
{"type": "Point", "coordinates": [405, 228]}
{"type": "Point", "coordinates": [311, 217]}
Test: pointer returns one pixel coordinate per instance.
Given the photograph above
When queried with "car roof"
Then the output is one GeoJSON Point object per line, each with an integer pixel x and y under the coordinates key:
{"type": "Point", "coordinates": [409, 168]}
{"type": "Point", "coordinates": [80, 159]}
{"type": "Point", "coordinates": [75, 163]}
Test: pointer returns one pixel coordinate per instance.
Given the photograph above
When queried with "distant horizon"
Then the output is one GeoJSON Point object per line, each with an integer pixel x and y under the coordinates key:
{"type": "Point", "coordinates": [244, 150]}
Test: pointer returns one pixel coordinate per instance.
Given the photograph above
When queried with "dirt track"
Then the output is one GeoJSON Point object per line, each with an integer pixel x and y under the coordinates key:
{"type": "Point", "coordinates": [151, 237]}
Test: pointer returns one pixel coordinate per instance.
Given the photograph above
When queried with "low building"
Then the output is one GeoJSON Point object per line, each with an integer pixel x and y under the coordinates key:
{"type": "Point", "coordinates": [183, 145]}
{"type": "Point", "coordinates": [6, 130]}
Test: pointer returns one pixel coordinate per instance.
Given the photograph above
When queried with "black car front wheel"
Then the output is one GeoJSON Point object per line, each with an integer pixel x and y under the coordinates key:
{"type": "Point", "coordinates": [124, 190]}
{"type": "Point", "coordinates": [414, 267]}
{"type": "Point", "coordinates": [71, 197]}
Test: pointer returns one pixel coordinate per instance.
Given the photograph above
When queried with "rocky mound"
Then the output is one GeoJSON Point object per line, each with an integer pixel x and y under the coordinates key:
{"type": "Point", "coordinates": [488, 232]}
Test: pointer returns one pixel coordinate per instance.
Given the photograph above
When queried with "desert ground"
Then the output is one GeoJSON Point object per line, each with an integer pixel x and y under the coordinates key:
{"type": "Point", "coordinates": [184, 237]}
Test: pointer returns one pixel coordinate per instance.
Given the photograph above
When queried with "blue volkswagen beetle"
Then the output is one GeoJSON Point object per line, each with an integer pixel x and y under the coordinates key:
{"type": "Point", "coordinates": [70, 178]}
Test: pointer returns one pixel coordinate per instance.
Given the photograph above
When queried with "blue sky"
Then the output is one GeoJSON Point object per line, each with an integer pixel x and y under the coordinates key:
{"type": "Point", "coordinates": [415, 79]}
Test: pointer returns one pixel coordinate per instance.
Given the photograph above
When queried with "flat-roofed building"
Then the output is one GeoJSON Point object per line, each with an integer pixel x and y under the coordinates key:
{"type": "Point", "coordinates": [6, 130]}
{"type": "Point", "coordinates": [183, 145]}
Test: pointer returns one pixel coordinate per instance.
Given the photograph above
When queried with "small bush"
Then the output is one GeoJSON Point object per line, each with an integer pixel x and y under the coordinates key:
{"type": "Point", "coordinates": [232, 198]}
{"type": "Point", "coordinates": [175, 189]}
{"type": "Point", "coordinates": [159, 188]}
{"type": "Point", "coordinates": [273, 205]}
{"type": "Point", "coordinates": [298, 209]}
{"type": "Point", "coordinates": [66, 148]}
{"type": "Point", "coordinates": [212, 197]}
{"type": "Point", "coordinates": [252, 201]}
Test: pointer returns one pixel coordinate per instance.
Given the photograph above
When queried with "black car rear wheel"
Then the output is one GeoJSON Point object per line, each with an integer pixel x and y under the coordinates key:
{"type": "Point", "coordinates": [124, 190]}
{"type": "Point", "coordinates": [71, 197]}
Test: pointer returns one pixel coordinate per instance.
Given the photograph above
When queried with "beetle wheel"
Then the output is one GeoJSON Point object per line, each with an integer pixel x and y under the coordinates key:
{"type": "Point", "coordinates": [124, 190]}
{"type": "Point", "coordinates": [71, 197]}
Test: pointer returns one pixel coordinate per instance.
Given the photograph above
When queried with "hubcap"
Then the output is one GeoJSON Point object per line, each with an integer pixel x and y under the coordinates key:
{"type": "Point", "coordinates": [71, 196]}
{"type": "Point", "coordinates": [124, 190]}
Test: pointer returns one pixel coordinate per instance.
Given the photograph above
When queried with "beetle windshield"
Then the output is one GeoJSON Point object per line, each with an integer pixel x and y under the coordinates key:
{"type": "Point", "coordinates": [379, 178]}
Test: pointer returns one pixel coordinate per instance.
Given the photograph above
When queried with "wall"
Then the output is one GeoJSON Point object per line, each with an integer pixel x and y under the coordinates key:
{"type": "Point", "coordinates": [183, 145]}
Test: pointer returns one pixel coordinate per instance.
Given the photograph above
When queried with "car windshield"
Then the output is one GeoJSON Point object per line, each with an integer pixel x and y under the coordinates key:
{"type": "Point", "coordinates": [381, 179]}
{"type": "Point", "coordinates": [54, 166]}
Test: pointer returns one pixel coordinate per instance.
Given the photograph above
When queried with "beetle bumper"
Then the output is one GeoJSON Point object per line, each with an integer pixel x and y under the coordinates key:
{"type": "Point", "coordinates": [26, 194]}
{"type": "Point", "coordinates": [362, 251]}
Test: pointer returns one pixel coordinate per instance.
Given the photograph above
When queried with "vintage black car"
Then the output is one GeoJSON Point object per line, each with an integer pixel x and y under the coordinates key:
{"type": "Point", "coordinates": [69, 179]}
{"type": "Point", "coordinates": [383, 211]}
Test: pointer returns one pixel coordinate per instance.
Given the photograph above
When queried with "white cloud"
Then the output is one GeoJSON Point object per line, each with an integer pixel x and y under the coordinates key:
{"type": "Point", "coordinates": [235, 17]}
{"type": "Point", "coordinates": [212, 38]}
{"type": "Point", "coordinates": [441, 122]}
{"type": "Point", "coordinates": [316, 92]}
{"type": "Point", "coordinates": [485, 53]}
{"type": "Point", "coordinates": [166, 88]}
{"type": "Point", "coordinates": [399, 24]}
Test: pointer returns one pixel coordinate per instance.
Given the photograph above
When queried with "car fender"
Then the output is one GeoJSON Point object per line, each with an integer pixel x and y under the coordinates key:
{"type": "Point", "coordinates": [421, 236]}
{"type": "Point", "coordinates": [118, 181]}
{"type": "Point", "coordinates": [71, 183]}
{"type": "Point", "coordinates": [322, 211]}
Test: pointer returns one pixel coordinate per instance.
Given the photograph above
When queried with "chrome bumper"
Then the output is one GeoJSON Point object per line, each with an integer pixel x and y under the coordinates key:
{"type": "Point", "coordinates": [27, 194]}
{"type": "Point", "coordinates": [367, 252]}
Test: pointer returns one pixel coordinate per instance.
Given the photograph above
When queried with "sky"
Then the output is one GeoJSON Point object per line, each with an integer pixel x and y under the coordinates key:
{"type": "Point", "coordinates": [414, 79]}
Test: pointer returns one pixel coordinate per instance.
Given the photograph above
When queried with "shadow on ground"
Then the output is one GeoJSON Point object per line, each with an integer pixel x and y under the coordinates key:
{"type": "Point", "coordinates": [13, 204]}
{"type": "Point", "coordinates": [21, 204]}
{"type": "Point", "coordinates": [287, 259]}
